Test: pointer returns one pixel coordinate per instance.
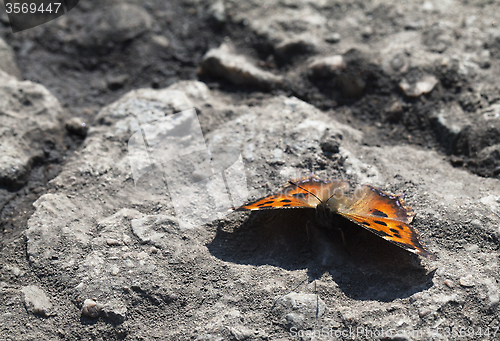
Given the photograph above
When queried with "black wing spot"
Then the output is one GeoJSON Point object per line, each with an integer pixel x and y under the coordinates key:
{"type": "Point", "coordinates": [380, 222]}
{"type": "Point", "coordinates": [400, 227]}
{"type": "Point", "coordinates": [286, 200]}
{"type": "Point", "coordinates": [366, 223]}
{"type": "Point", "coordinates": [268, 202]}
{"type": "Point", "coordinates": [394, 231]}
{"type": "Point", "coordinates": [287, 205]}
{"type": "Point", "coordinates": [381, 233]}
{"type": "Point", "coordinates": [300, 195]}
{"type": "Point", "coordinates": [379, 214]}
{"type": "Point", "coordinates": [397, 235]}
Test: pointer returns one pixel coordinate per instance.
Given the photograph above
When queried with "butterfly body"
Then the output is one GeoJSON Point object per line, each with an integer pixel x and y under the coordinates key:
{"type": "Point", "coordinates": [382, 213]}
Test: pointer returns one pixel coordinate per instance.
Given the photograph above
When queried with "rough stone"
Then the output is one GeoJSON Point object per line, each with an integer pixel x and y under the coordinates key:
{"type": "Point", "coordinates": [326, 66]}
{"type": "Point", "coordinates": [116, 24]}
{"type": "Point", "coordinates": [224, 63]}
{"type": "Point", "coordinates": [91, 308]}
{"type": "Point", "coordinates": [419, 87]}
{"type": "Point", "coordinates": [30, 128]}
{"type": "Point", "coordinates": [36, 301]}
{"type": "Point", "coordinates": [77, 126]}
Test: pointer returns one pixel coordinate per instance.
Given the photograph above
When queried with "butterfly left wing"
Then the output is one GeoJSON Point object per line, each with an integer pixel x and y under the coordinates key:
{"type": "Point", "coordinates": [276, 201]}
{"type": "Point", "coordinates": [387, 216]}
{"type": "Point", "coordinates": [302, 193]}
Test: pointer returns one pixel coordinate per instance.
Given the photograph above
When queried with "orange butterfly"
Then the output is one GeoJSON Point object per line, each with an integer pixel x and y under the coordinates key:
{"type": "Point", "coordinates": [379, 212]}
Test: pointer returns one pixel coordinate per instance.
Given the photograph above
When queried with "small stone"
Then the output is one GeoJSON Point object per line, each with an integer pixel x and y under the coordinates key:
{"type": "Point", "coordinates": [241, 333]}
{"type": "Point", "coordinates": [333, 38]}
{"type": "Point", "coordinates": [115, 270]}
{"type": "Point", "coordinates": [294, 320]}
{"type": "Point", "coordinates": [160, 40]}
{"type": "Point", "coordinates": [116, 82]}
{"type": "Point", "coordinates": [217, 11]}
{"type": "Point", "coordinates": [36, 301]}
{"type": "Point", "coordinates": [77, 126]}
{"type": "Point", "coordinates": [113, 242]}
{"type": "Point", "coordinates": [115, 310]}
{"type": "Point", "coordinates": [304, 304]}
{"type": "Point", "coordinates": [420, 87]}
{"type": "Point", "coordinates": [424, 312]}
{"type": "Point", "coordinates": [326, 66]}
{"type": "Point", "coordinates": [16, 271]}
{"type": "Point", "coordinates": [91, 308]}
{"type": "Point", "coordinates": [449, 283]}
{"type": "Point", "coordinates": [367, 32]}
{"type": "Point", "coordinates": [224, 63]}
{"type": "Point", "coordinates": [467, 281]}
{"type": "Point", "coordinates": [293, 46]}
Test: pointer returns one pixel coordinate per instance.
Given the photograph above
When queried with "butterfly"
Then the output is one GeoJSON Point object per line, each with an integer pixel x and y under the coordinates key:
{"type": "Point", "coordinates": [382, 213]}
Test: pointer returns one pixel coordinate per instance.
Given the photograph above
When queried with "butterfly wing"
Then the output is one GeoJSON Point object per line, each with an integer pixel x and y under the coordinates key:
{"type": "Point", "coordinates": [387, 216]}
{"type": "Point", "coordinates": [276, 201]}
{"type": "Point", "coordinates": [301, 193]}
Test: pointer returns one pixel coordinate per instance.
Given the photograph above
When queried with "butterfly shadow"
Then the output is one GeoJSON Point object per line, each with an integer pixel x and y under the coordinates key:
{"type": "Point", "coordinates": [366, 267]}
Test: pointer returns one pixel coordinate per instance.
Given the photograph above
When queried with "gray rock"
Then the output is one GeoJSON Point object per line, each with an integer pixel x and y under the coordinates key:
{"type": "Point", "coordinates": [36, 301]}
{"type": "Point", "coordinates": [224, 63]}
{"type": "Point", "coordinates": [115, 311]}
{"type": "Point", "coordinates": [217, 11]}
{"type": "Point", "coordinates": [91, 308]}
{"type": "Point", "coordinates": [333, 38]}
{"type": "Point", "coordinates": [299, 310]}
{"type": "Point", "coordinates": [241, 332]}
{"type": "Point", "coordinates": [418, 87]}
{"type": "Point", "coordinates": [377, 286]}
{"type": "Point", "coordinates": [327, 66]}
{"type": "Point", "coordinates": [296, 46]}
{"type": "Point", "coordinates": [488, 161]}
{"type": "Point", "coordinates": [77, 126]}
{"type": "Point", "coordinates": [8, 61]}
{"type": "Point", "coordinates": [115, 24]}
{"type": "Point", "coordinates": [30, 129]}
{"type": "Point", "coordinates": [450, 122]}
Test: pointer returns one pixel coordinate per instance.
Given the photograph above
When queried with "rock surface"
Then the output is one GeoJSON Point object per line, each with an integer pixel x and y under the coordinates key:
{"type": "Point", "coordinates": [30, 129]}
{"type": "Point", "coordinates": [395, 282]}
{"type": "Point", "coordinates": [131, 237]}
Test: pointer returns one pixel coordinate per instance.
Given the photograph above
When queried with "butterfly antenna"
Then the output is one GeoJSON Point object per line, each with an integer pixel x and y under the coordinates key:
{"type": "Point", "coordinates": [276, 301]}
{"type": "Point", "coordinates": [314, 195]}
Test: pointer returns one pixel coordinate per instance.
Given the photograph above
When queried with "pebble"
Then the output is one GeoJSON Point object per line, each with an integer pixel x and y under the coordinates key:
{"type": "Point", "coordinates": [160, 40]}
{"type": "Point", "coordinates": [77, 126]}
{"type": "Point", "coordinates": [36, 301]}
{"type": "Point", "coordinates": [91, 308]}
{"type": "Point", "coordinates": [224, 63]}
{"type": "Point", "coordinates": [467, 281]}
{"type": "Point", "coordinates": [333, 38]}
{"type": "Point", "coordinates": [113, 242]}
{"type": "Point", "coordinates": [420, 87]}
{"type": "Point", "coordinates": [326, 66]}
{"type": "Point", "coordinates": [304, 304]}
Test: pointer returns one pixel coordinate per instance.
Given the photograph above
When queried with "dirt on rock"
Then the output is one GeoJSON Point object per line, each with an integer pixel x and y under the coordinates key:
{"type": "Point", "coordinates": [128, 129]}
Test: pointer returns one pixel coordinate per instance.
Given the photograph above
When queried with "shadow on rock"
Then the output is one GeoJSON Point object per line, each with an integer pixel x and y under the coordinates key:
{"type": "Point", "coordinates": [365, 268]}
